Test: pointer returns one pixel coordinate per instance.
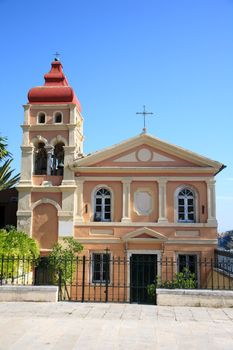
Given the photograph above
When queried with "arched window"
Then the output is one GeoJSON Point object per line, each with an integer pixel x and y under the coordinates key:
{"type": "Point", "coordinates": [40, 159]}
{"type": "Point", "coordinates": [102, 205]}
{"type": "Point", "coordinates": [58, 159]}
{"type": "Point", "coordinates": [41, 118]}
{"type": "Point", "coordinates": [186, 210]}
{"type": "Point", "coordinates": [58, 117]}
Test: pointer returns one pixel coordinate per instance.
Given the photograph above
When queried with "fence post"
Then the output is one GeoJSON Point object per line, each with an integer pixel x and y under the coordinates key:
{"type": "Point", "coordinates": [83, 278]}
{"type": "Point", "coordinates": [59, 285]}
{"type": "Point", "coordinates": [107, 277]}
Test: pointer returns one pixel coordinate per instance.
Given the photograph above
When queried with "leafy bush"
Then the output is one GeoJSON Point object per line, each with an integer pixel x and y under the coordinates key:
{"type": "Point", "coordinates": [182, 280]}
{"type": "Point", "coordinates": [18, 252]}
{"type": "Point", "coordinates": [63, 259]}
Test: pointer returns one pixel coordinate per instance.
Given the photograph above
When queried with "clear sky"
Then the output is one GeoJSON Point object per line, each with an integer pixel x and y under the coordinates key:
{"type": "Point", "coordinates": [174, 56]}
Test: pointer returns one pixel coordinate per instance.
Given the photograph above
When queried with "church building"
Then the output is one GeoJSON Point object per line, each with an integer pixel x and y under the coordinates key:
{"type": "Point", "coordinates": [142, 196]}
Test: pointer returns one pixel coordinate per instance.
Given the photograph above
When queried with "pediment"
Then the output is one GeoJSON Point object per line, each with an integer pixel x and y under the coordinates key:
{"type": "Point", "coordinates": [145, 151]}
{"type": "Point", "coordinates": [144, 234]}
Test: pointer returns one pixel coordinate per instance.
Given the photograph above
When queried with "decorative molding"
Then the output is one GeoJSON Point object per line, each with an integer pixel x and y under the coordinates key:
{"type": "Point", "coordinates": [133, 235]}
{"type": "Point", "coordinates": [133, 169]}
{"type": "Point", "coordinates": [145, 178]}
{"type": "Point", "coordinates": [143, 203]}
{"type": "Point", "coordinates": [101, 232]}
{"type": "Point", "coordinates": [46, 201]}
{"type": "Point", "coordinates": [140, 224]}
{"type": "Point", "coordinates": [193, 241]}
{"type": "Point", "coordinates": [187, 233]}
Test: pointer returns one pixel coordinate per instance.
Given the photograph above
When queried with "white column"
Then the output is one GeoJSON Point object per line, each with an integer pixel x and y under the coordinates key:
{"type": "Point", "coordinates": [26, 165]}
{"type": "Point", "coordinates": [49, 150]}
{"type": "Point", "coordinates": [126, 200]}
{"type": "Point", "coordinates": [68, 175]}
{"type": "Point", "coordinates": [79, 200]}
{"type": "Point", "coordinates": [211, 202]}
{"type": "Point", "coordinates": [73, 112]}
{"type": "Point", "coordinates": [162, 200]}
{"type": "Point", "coordinates": [26, 114]}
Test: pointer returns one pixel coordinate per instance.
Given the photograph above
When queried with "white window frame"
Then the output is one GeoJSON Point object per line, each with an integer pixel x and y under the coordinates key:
{"type": "Point", "coordinates": [195, 204]}
{"type": "Point", "coordinates": [99, 282]}
{"type": "Point", "coordinates": [95, 190]}
{"type": "Point", "coordinates": [197, 254]}
{"type": "Point", "coordinates": [54, 117]}
{"type": "Point", "coordinates": [38, 117]}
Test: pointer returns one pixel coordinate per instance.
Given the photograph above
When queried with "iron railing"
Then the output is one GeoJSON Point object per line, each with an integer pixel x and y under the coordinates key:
{"type": "Point", "coordinates": [105, 278]}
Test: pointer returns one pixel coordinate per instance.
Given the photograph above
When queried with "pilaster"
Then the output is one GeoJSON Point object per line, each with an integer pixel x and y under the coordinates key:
{"type": "Point", "coordinates": [126, 200]}
{"type": "Point", "coordinates": [162, 201]}
{"type": "Point", "coordinates": [211, 202]}
{"type": "Point", "coordinates": [79, 200]}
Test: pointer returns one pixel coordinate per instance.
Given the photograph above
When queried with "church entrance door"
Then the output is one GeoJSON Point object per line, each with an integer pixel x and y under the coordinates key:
{"type": "Point", "coordinates": [143, 272]}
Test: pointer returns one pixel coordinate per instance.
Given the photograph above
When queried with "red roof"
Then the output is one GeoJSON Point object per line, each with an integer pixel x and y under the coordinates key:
{"type": "Point", "coordinates": [56, 88]}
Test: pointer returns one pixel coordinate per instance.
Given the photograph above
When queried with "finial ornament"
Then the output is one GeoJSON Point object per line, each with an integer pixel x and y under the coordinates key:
{"type": "Point", "coordinates": [144, 113]}
{"type": "Point", "coordinates": [57, 55]}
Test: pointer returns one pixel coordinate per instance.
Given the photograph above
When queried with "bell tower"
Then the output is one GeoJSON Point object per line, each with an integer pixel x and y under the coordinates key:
{"type": "Point", "coordinates": [52, 139]}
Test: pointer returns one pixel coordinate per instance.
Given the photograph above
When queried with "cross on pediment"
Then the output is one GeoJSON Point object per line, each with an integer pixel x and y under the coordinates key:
{"type": "Point", "coordinates": [145, 114]}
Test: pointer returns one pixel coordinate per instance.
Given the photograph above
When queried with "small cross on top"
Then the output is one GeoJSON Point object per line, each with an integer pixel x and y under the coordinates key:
{"type": "Point", "coordinates": [144, 113]}
{"type": "Point", "coordinates": [57, 55]}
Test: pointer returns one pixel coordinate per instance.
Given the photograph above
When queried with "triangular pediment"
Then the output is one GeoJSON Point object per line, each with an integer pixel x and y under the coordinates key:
{"type": "Point", "coordinates": [145, 151]}
{"type": "Point", "coordinates": [144, 234]}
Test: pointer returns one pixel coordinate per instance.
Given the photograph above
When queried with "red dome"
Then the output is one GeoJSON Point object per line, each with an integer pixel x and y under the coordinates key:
{"type": "Point", "coordinates": [56, 88]}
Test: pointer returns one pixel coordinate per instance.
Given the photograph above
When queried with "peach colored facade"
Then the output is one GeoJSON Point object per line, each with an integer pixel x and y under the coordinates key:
{"type": "Point", "coordinates": [143, 178]}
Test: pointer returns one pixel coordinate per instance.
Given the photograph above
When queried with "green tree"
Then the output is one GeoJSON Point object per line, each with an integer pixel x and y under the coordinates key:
{"type": "Point", "coordinates": [17, 256]}
{"type": "Point", "coordinates": [7, 179]}
{"type": "Point", "coordinates": [63, 261]}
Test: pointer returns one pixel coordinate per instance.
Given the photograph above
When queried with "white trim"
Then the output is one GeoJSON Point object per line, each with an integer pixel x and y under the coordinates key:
{"type": "Point", "coordinates": [95, 189]}
{"type": "Point", "coordinates": [156, 236]}
{"type": "Point", "coordinates": [143, 190]}
{"type": "Point", "coordinates": [46, 201]}
{"type": "Point", "coordinates": [38, 115]}
{"type": "Point", "coordinates": [197, 254]}
{"type": "Point", "coordinates": [58, 139]}
{"type": "Point", "coordinates": [54, 115]}
{"type": "Point", "coordinates": [155, 224]}
{"type": "Point", "coordinates": [37, 139]}
{"type": "Point", "coordinates": [120, 169]}
{"type": "Point", "coordinates": [146, 252]}
{"type": "Point", "coordinates": [147, 178]}
{"type": "Point", "coordinates": [146, 139]}
{"type": "Point", "coordinates": [91, 252]}
{"type": "Point", "coordinates": [196, 202]}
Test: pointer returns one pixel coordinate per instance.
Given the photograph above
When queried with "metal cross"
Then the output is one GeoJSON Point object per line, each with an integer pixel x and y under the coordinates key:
{"type": "Point", "coordinates": [144, 113]}
{"type": "Point", "coordinates": [57, 54]}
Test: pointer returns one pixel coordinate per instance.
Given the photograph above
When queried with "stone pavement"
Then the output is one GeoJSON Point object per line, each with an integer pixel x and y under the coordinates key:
{"type": "Point", "coordinates": [113, 326]}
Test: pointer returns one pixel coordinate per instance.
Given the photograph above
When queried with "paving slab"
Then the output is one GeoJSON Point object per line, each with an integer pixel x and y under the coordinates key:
{"type": "Point", "coordinates": [91, 326]}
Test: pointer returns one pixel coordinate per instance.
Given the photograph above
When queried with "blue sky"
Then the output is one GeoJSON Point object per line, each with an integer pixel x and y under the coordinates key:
{"type": "Point", "coordinates": [173, 56]}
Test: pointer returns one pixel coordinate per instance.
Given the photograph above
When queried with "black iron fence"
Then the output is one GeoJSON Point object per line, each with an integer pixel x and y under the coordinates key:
{"type": "Point", "coordinates": [104, 278]}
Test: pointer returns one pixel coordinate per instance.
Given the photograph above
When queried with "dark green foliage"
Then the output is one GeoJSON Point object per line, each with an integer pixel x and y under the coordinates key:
{"type": "Point", "coordinates": [63, 259]}
{"type": "Point", "coordinates": [17, 244]}
{"type": "Point", "coordinates": [182, 280]}
{"type": "Point", "coordinates": [7, 180]}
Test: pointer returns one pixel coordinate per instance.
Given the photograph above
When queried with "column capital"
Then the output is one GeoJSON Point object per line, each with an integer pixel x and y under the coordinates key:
{"type": "Point", "coordinates": [126, 180]}
{"type": "Point", "coordinates": [210, 181]}
{"type": "Point", "coordinates": [162, 181]}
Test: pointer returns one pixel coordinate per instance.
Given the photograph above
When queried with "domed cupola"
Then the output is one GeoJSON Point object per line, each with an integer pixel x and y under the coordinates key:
{"type": "Point", "coordinates": [56, 88]}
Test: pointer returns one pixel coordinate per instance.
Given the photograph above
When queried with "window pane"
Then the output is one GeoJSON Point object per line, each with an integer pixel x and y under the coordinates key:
{"type": "Point", "coordinates": [191, 217]}
{"type": "Point", "coordinates": [98, 201]}
{"type": "Point", "coordinates": [181, 201]}
{"type": "Point", "coordinates": [107, 208]}
{"type": "Point", "coordinates": [107, 200]}
{"type": "Point", "coordinates": [190, 201]}
{"type": "Point", "coordinates": [107, 216]}
{"type": "Point", "coordinates": [181, 209]}
{"type": "Point", "coordinates": [181, 216]}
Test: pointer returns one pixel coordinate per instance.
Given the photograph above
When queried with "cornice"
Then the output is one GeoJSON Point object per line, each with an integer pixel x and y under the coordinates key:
{"type": "Point", "coordinates": [142, 224]}
{"type": "Point", "coordinates": [120, 169]}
